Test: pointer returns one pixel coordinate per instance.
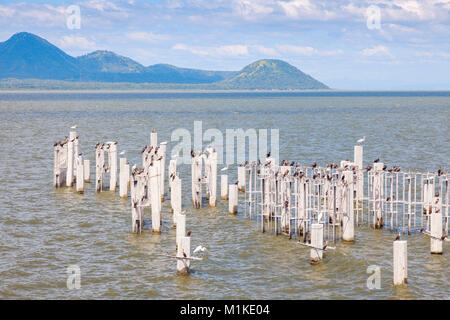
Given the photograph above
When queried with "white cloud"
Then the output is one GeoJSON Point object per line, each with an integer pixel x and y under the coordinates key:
{"type": "Point", "coordinates": [76, 42]}
{"type": "Point", "coordinates": [253, 9]}
{"type": "Point", "coordinates": [226, 50]}
{"type": "Point", "coordinates": [146, 36]}
{"type": "Point", "coordinates": [377, 51]}
{"type": "Point", "coordinates": [264, 50]}
{"type": "Point", "coordinates": [307, 51]}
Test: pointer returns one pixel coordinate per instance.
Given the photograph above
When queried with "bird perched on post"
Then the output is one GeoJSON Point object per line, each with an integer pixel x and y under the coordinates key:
{"type": "Point", "coordinates": [398, 237]}
{"type": "Point", "coordinates": [268, 154]}
{"type": "Point", "coordinates": [192, 153]}
{"type": "Point", "coordinates": [362, 140]}
{"type": "Point", "coordinates": [314, 165]}
{"type": "Point", "coordinates": [189, 232]}
{"type": "Point", "coordinates": [376, 160]}
{"type": "Point", "coordinates": [325, 246]}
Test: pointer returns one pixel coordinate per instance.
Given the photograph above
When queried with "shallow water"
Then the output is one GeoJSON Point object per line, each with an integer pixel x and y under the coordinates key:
{"type": "Point", "coordinates": [44, 230]}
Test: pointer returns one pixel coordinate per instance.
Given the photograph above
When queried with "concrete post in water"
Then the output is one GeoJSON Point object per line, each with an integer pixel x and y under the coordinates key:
{"type": "Point", "coordinates": [124, 177]}
{"type": "Point", "coordinates": [241, 178]}
{"type": "Point", "coordinates": [175, 196]}
{"type": "Point", "coordinates": [184, 251]}
{"type": "Point", "coordinates": [400, 262]}
{"type": "Point", "coordinates": [155, 197]}
{"type": "Point", "coordinates": [181, 229]}
{"type": "Point", "coordinates": [224, 187]}
{"type": "Point", "coordinates": [112, 166]}
{"type": "Point", "coordinates": [172, 171]}
{"type": "Point", "coordinates": [436, 232]}
{"type": "Point", "coordinates": [70, 158]}
{"type": "Point", "coordinates": [378, 196]}
{"type": "Point", "coordinates": [316, 243]}
{"type": "Point", "coordinates": [233, 199]}
{"type": "Point", "coordinates": [80, 175]}
{"type": "Point", "coordinates": [162, 152]}
{"type": "Point", "coordinates": [348, 221]}
{"type": "Point", "coordinates": [153, 139]}
{"type": "Point", "coordinates": [358, 161]}
{"type": "Point", "coordinates": [196, 172]}
{"type": "Point", "coordinates": [213, 179]}
{"type": "Point", "coordinates": [87, 170]}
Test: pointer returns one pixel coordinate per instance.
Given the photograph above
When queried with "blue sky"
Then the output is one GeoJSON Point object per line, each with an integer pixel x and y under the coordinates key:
{"type": "Point", "coordinates": [329, 40]}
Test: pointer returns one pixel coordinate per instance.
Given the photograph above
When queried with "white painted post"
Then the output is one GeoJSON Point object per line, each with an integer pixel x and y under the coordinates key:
{"type": "Point", "coordinates": [113, 166]}
{"type": "Point", "coordinates": [162, 152]}
{"type": "Point", "coordinates": [155, 197]}
{"type": "Point", "coordinates": [316, 242]}
{"type": "Point", "coordinates": [181, 229]}
{"type": "Point", "coordinates": [436, 231]}
{"type": "Point", "coordinates": [348, 223]}
{"type": "Point", "coordinates": [87, 170]}
{"type": "Point", "coordinates": [196, 172]}
{"type": "Point", "coordinates": [224, 187]}
{"type": "Point", "coordinates": [153, 139]}
{"type": "Point", "coordinates": [122, 187]}
{"type": "Point", "coordinates": [183, 265]}
{"type": "Point", "coordinates": [400, 262]}
{"type": "Point", "coordinates": [172, 171]}
{"type": "Point", "coordinates": [70, 159]}
{"type": "Point", "coordinates": [241, 178]}
{"type": "Point", "coordinates": [80, 175]}
{"type": "Point", "coordinates": [213, 179]}
{"type": "Point", "coordinates": [378, 194]}
{"type": "Point", "coordinates": [358, 161]}
{"type": "Point", "coordinates": [233, 199]}
{"type": "Point", "coordinates": [175, 198]}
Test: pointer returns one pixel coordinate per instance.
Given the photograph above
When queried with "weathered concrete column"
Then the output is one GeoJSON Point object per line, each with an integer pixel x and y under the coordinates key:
{"type": "Point", "coordinates": [400, 262]}
{"type": "Point", "coordinates": [316, 243]}
{"type": "Point", "coordinates": [233, 199]}
{"type": "Point", "coordinates": [224, 187]}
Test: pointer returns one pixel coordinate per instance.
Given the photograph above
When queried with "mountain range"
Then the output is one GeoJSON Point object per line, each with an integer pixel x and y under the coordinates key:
{"type": "Point", "coordinates": [28, 56]}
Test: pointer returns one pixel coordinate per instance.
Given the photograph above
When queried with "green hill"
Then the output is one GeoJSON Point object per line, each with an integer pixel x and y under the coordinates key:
{"type": "Point", "coordinates": [272, 74]}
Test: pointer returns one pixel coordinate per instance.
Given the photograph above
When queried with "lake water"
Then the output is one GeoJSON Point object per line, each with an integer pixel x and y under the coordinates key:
{"type": "Point", "coordinates": [44, 230]}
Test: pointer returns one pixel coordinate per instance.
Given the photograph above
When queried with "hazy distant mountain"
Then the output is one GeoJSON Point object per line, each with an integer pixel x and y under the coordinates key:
{"type": "Point", "coordinates": [27, 56]}
{"type": "Point", "coordinates": [272, 74]}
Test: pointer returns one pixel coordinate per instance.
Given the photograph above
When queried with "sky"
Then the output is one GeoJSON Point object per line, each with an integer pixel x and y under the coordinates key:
{"type": "Point", "coordinates": [347, 44]}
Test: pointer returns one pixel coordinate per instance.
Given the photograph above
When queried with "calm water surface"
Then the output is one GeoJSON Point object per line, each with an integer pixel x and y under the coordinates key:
{"type": "Point", "coordinates": [44, 230]}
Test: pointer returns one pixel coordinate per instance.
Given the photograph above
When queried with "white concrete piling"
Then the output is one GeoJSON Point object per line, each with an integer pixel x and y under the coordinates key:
{"type": "Point", "coordinates": [87, 170]}
{"type": "Point", "coordinates": [348, 221]}
{"type": "Point", "coordinates": [224, 187]}
{"type": "Point", "coordinates": [172, 171]}
{"type": "Point", "coordinates": [183, 254]}
{"type": "Point", "coordinates": [241, 178]}
{"type": "Point", "coordinates": [181, 229]}
{"type": "Point", "coordinates": [233, 199]}
{"type": "Point", "coordinates": [175, 196]}
{"type": "Point", "coordinates": [400, 262]}
{"type": "Point", "coordinates": [155, 197]}
{"type": "Point", "coordinates": [378, 194]}
{"type": "Point", "coordinates": [316, 243]}
{"type": "Point", "coordinates": [436, 233]}
{"type": "Point", "coordinates": [212, 179]}
{"type": "Point", "coordinates": [358, 161]}
{"type": "Point", "coordinates": [112, 162]}
{"type": "Point", "coordinates": [162, 151]}
{"type": "Point", "coordinates": [80, 175]}
{"type": "Point", "coordinates": [124, 176]}
{"type": "Point", "coordinates": [70, 159]}
{"type": "Point", "coordinates": [196, 175]}
{"type": "Point", "coordinates": [153, 139]}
